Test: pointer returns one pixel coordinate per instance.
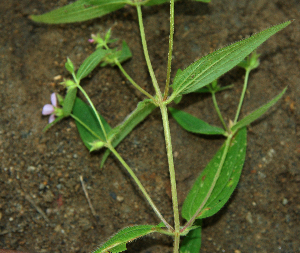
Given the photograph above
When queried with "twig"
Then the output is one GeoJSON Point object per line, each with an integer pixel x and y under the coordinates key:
{"type": "Point", "coordinates": [87, 196]}
{"type": "Point", "coordinates": [37, 207]}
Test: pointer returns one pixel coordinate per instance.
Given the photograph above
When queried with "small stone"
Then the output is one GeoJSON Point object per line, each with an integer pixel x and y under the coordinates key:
{"type": "Point", "coordinates": [120, 198]}
{"type": "Point", "coordinates": [237, 251]}
{"type": "Point", "coordinates": [249, 218]}
{"type": "Point", "coordinates": [31, 168]}
{"type": "Point", "coordinates": [285, 201]}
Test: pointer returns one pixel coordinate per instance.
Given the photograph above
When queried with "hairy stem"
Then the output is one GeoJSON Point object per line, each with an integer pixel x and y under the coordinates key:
{"type": "Point", "coordinates": [139, 184]}
{"type": "Point", "coordinates": [132, 81]}
{"type": "Point", "coordinates": [218, 110]}
{"type": "Point", "coordinates": [170, 49]}
{"type": "Point", "coordinates": [242, 95]}
{"type": "Point", "coordinates": [146, 53]}
{"type": "Point", "coordinates": [168, 141]}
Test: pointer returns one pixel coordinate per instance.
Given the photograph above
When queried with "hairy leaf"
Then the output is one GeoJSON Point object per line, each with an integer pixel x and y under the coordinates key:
{"type": "Point", "coordinates": [90, 63]}
{"type": "Point", "coordinates": [87, 124]}
{"type": "Point", "coordinates": [80, 10]}
{"type": "Point", "coordinates": [225, 184]}
{"type": "Point", "coordinates": [257, 113]}
{"type": "Point", "coordinates": [193, 124]}
{"type": "Point", "coordinates": [118, 242]}
{"type": "Point", "coordinates": [212, 66]}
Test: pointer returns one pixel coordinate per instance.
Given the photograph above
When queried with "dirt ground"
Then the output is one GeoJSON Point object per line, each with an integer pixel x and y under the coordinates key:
{"type": "Point", "coordinates": [42, 205]}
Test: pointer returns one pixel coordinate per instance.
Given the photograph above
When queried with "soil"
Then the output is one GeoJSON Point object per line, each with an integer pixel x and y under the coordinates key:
{"type": "Point", "coordinates": [42, 204]}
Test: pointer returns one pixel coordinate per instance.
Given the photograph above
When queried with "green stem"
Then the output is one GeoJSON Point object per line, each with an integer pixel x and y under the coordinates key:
{"type": "Point", "coordinates": [94, 109]}
{"type": "Point", "coordinates": [132, 81]}
{"type": "Point", "coordinates": [146, 53]}
{"type": "Point", "coordinates": [170, 49]}
{"type": "Point", "coordinates": [139, 184]}
{"type": "Point", "coordinates": [218, 110]}
{"type": "Point", "coordinates": [216, 177]}
{"type": "Point", "coordinates": [168, 141]}
{"type": "Point", "coordinates": [242, 95]}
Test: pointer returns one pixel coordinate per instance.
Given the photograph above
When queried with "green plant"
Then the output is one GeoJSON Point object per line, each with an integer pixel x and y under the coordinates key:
{"type": "Point", "coordinates": [218, 180]}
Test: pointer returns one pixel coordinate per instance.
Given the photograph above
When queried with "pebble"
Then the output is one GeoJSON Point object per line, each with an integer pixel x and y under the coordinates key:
{"type": "Point", "coordinates": [285, 201]}
{"type": "Point", "coordinates": [120, 198]}
{"type": "Point", "coordinates": [249, 217]}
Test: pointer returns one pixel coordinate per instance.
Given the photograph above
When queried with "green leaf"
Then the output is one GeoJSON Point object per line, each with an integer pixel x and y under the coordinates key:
{"type": "Point", "coordinates": [118, 242]}
{"type": "Point", "coordinates": [192, 242]}
{"type": "Point", "coordinates": [212, 66]}
{"type": "Point", "coordinates": [143, 109]}
{"type": "Point", "coordinates": [69, 66]}
{"type": "Point", "coordinates": [87, 124]}
{"type": "Point", "coordinates": [257, 113]}
{"type": "Point", "coordinates": [80, 10]}
{"type": "Point", "coordinates": [69, 101]}
{"type": "Point", "coordinates": [225, 184]}
{"type": "Point", "coordinates": [90, 63]}
{"type": "Point", "coordinates": [125, 53]}
{"type": "Point", "coordinates": [193, 124]}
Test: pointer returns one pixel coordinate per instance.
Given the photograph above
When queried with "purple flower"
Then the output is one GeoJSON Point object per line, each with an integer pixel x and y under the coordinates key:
{"type": "Point", "coordinates": [50, 109]}
{"type": "Point", "coordinates": [91, 40]}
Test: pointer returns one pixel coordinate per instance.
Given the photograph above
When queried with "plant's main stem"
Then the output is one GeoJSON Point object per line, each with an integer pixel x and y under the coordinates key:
{"type": "Point", "coordinates": [164, 113]}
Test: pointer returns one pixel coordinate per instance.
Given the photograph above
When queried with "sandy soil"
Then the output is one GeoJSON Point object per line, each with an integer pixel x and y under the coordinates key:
{"type": "Point", "coordinates": [41, 171]}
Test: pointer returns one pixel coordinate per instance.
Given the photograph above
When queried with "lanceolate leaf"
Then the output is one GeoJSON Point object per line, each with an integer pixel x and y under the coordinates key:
{"type": "Point", "coordinates": [193, 124]}
{"type": "Point", "coordinates": [80, 10]}
{"type": "Point", "coordinates": [90, 63]}
{"type": "Point", "coordinates": [88, 126]}
{"type": "Point", "coordinates": [118, 242]}
{"type": "Point", "coordinates": [225, 184]}
{"type": "Point", "coordinates": [143, 109]}
{"type": "Point", "coordinates": [257, 113]}
{"type": "Point", "coordinates": [212, 66]}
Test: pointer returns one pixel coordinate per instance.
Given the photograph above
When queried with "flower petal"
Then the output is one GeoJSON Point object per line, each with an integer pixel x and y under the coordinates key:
{"type": "Point", "coordinates": [48, 109]}
{"type": "Point", "coordinates": [53, 99]}
{"type": "Point", "coordinates": [51, 118]}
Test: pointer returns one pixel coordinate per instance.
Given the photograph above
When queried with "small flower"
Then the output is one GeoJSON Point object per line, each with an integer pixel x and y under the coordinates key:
{"type": "Point", "coordinates": [50, 109]}
{"type": "Point", "coordinates": [92, 40]}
